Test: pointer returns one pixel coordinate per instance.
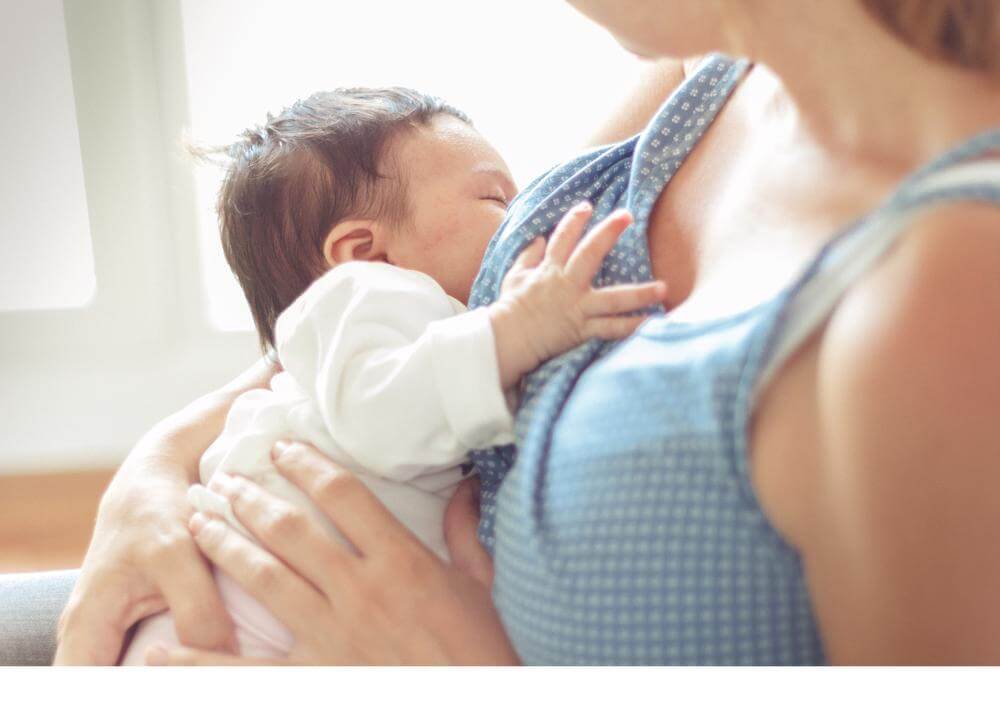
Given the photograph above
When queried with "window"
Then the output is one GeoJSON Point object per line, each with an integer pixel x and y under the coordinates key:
{"type": "Point", "coordinates": [155, 318]}
{"type": "Point", "coordinates": [536, 78]}
{"type": "Point", "coordinates": [46, 260]}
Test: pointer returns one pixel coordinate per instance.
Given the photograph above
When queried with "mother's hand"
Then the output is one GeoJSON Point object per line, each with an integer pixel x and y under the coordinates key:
{"type": "Point", "coordinates": [389, 601]}
{"type": "Point", "coordinates": [142, 559]}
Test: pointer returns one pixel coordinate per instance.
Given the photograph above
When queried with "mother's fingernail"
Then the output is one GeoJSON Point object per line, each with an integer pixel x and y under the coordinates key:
{"type": "Point", "coordinates": [156, 656]}
{"type": "Point", "coordinates": [196, 523]}
{"type": "Point", "coordinates": [279, 448]}
{"type": "Point", "coordinates": [583, 206]}
{"type": "Point", "coordinates": [220, 482]}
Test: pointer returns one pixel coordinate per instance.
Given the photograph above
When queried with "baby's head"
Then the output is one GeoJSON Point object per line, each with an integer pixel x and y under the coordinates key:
{"type": "Point", "coordinates": [358, 174]}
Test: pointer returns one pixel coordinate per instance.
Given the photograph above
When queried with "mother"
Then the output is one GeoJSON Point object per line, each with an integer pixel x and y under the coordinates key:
{"type": "Point", "coordinates": [796, 464]}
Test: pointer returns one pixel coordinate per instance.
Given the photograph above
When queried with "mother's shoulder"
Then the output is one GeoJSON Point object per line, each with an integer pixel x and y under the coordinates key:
{"type": "Point", "coordinates": [943, 270]}
{"type": "Point", "coordinates": [908, 372]}
{"type": "Point", "coordinates": [930, 307]}
{"type": "Point", "coordinates": [908, 398]}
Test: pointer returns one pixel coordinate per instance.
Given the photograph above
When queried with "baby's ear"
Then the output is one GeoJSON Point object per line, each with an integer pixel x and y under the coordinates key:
{"type": "Point", "coordinates": [352, 240]}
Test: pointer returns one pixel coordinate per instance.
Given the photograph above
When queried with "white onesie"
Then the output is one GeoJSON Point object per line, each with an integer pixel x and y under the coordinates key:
{"type": "Point", "coordinates": [391, 378]}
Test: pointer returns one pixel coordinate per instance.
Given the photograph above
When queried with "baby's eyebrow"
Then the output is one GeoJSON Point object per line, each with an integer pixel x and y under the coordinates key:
{"type": "Point", "coordinates": [500, 175]}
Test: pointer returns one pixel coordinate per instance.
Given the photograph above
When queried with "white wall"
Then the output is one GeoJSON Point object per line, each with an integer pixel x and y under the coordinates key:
{"type": "Point", "coordinates": [45, 255]}
{"type": "Point", "coordinates": [79, 386]}
{"type": "Point", "coordinates": [535, 76]}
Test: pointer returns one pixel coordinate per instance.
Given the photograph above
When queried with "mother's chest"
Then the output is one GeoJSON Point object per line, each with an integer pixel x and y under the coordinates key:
{"type": "Point", "coordinates": [785, 449]}
{"type": "Point", "coordinates": [741, 219]}
{"type": "Point", "coordinates": [665, 422]}
{"type": "Point", "coordinates": [737, 253]}
{"type": "Point", "coordinates": [725, 255]}
{"type": "Point", "coordinates": [656, 421]}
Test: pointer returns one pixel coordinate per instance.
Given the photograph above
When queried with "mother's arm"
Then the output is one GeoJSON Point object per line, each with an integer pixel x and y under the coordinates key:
{"type": "Point", "coordinates": [387, 600]}
{"type": "Point", "coordinates": [907, 565]}
{"type": "Point", "coordinates": [141, 558]}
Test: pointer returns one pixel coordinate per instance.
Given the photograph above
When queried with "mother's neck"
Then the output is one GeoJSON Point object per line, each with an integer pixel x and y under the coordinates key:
{"type": "Point", "coordinates": [859, 91]}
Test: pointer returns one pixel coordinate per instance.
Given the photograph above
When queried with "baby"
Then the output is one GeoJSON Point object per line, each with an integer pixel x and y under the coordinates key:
{"type": "Point", "coordinates": [355, 222]}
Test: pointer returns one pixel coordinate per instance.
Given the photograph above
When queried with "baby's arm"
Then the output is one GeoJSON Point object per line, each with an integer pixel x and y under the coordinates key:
{"type": "Point", "coordinates": [547, 303]}
{"type": "Point", "coordinates": [405, 380]}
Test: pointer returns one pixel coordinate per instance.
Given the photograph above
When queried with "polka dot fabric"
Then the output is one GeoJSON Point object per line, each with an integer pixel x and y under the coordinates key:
{"type": "Point", "coordinates": [606, 177]}
{"type": "Point", "coordinates": [623, 525]}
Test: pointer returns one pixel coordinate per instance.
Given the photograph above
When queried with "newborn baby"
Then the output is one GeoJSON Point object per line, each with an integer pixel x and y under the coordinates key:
{"type": "Point", "coordinates": [355, 222]}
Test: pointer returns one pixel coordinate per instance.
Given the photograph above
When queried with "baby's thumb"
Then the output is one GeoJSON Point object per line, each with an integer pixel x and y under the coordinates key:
{"type": "Point", "coordinates": [531, 255]}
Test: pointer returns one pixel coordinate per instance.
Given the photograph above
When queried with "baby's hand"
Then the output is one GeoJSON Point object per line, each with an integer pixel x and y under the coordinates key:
{"type": "Point", "coordinates": [547, 302]}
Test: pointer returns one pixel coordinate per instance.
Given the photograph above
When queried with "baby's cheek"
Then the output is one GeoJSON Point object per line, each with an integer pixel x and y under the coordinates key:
{"type": "Point", "coordinates": [451, 232]}
{"type": "Point", "coordinates": [435, 230]}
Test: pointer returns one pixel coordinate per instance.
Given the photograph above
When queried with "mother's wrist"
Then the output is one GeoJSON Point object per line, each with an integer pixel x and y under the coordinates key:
{"type": "Point", "coordinates": [181, 438]}
{"type": "Point", "coordinates": [187, 433]}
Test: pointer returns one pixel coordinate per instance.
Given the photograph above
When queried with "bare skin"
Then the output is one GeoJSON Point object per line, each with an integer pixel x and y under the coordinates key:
{"type": "Point", "coordinates": [316, 586]}
{"type": "Point", "coordinates": [886, 588]}
{"type": "Point", "coordinates": [142, 559]}
{"type": "Point", "coordinates": [873, 451]}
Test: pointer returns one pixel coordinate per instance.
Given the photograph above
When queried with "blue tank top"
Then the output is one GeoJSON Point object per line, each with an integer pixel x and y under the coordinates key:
{"type": "Point", "coordinates": [623, 524]}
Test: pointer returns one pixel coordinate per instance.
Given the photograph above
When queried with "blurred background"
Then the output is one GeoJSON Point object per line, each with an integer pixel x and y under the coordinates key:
{"type": "Point", "coordinates": [116, 306]}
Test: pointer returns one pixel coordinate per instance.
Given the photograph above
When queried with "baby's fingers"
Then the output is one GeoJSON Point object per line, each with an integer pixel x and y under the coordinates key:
{"type": "Point", "coordinates": [594, 248]}
{"type": "Point", "coordinates": [567, 233]}
{"type": "Point", "coordinates": [611, 328]}
{"type": "Point", "coordinates": [531, 255]}
{"type": "Point", "coordinates": [623, 298]}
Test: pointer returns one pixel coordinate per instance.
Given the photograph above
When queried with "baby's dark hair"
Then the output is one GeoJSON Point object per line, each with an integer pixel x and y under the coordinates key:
{"type": "Point", "coordinates": [290, 181]}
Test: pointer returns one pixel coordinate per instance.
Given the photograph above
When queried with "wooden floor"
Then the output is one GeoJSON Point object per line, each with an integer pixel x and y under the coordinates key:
{"type": "Point", "coordinates": [46, 520]}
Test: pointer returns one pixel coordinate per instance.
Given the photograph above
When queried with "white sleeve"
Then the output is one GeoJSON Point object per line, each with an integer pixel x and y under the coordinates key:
{"type": "Point", "coordinates": [403, 383]}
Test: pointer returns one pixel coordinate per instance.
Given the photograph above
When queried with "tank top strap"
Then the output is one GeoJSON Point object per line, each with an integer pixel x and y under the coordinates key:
{"type": "Point", "coordinates": [957, 176]}
{"type": "Point", "coordinates": [976, 147]}
{"type": "Point", "coordinates": [677, 127]}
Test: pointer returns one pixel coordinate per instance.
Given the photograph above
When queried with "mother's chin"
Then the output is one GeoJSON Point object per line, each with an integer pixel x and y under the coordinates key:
{"type": "Point", "coordinates": [653, 29]}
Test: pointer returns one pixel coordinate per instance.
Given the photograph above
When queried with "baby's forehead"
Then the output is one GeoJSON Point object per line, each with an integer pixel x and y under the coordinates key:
{"type": "Point", "coordinates": [446, 145]}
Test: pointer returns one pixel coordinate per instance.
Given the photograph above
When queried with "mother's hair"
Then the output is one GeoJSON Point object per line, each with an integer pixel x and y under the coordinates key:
{"type": "Point", "coordinates": [963, 32]}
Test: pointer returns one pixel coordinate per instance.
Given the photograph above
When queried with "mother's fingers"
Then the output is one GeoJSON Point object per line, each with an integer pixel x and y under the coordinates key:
{"type": "Point", "coordinates": [192, 596]}
{"type": "Point", "coordinates": [461, 522]}
{"type": "Point", "coordinates": [257, 375]}
{"type": "Point", "coordinates": [287, 531]}
{"type": "Point", "coordinates": [158, 655]}
{"type": "Point", "coordinates": [354, 509]}
{"type": "Point", "coordinates": [93, 625]}
{"type": "Point", "coordinates": [290, 598]}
